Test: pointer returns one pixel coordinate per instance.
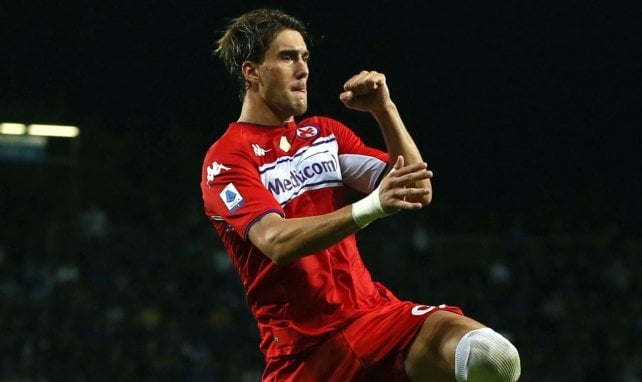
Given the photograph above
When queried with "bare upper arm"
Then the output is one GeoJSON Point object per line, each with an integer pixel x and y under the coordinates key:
{"type": "Point", "coordinates": [263, 231]}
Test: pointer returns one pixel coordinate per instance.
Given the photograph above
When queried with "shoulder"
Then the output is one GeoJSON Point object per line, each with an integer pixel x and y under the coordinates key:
{"type": "Point", "coordinates": [235, 138]}
{"type": "Point", "coordinates": [232, 143]}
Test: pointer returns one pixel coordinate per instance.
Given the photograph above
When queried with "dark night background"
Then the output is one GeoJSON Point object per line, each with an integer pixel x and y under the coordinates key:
{"type": "Point", "coordinates": [528, 113]}
{"type": "Point", "coordinates": [514, 105]}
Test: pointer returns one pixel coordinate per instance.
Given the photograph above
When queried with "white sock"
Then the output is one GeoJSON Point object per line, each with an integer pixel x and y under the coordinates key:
{"type": "Point", "coordinates": [484, 355]}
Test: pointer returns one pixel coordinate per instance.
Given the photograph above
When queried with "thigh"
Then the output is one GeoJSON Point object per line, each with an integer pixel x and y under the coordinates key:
{"type": "Point", "coordinates": [369, 349]}
{"type": "Point", "coordinates": [381, 337]}
{"type": "Point", "coordinates": [431, 355]}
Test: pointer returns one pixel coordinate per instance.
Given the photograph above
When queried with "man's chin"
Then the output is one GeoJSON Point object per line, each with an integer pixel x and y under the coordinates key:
{"type": "Point", "coordinates": [300, 109]}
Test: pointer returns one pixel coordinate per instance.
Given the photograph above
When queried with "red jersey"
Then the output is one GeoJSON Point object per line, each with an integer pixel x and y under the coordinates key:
{"type": "Point", "coordinates": [295, 170]}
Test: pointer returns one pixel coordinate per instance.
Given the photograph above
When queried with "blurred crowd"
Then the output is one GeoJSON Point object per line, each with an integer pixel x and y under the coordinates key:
{"type": "Point", "coordinates": [161, 302]}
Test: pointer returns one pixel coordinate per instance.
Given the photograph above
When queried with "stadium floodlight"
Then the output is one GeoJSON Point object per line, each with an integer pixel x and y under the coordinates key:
{"type": "Point", "coordinates": [12, 128]}
{"type": "Point", "coordinates": [53, 130]}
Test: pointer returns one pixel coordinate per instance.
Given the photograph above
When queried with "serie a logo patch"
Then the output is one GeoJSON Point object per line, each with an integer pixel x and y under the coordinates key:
{"type": "Point", "coordinates": [232, 198]}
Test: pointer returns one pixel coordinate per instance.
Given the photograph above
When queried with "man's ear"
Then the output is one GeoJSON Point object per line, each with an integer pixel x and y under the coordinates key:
{"type": "Point", "coordinates": [250, 71]}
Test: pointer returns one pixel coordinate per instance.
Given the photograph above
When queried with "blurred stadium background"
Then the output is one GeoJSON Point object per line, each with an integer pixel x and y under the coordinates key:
{"type": "Point", "coordinates": [527, 112]}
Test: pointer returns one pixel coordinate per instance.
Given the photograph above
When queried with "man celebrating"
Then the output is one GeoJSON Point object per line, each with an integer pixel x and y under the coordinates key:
{"type": "Point", "coordinates": [275, 190]}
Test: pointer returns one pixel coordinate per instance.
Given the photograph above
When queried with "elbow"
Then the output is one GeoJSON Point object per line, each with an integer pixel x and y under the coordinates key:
{"type": "Point", "coordinates": [280, 257]}
{"type": "Point", "coordinates": [278, 251]}
{"type": "Point", "coordinates": [283, 258]}
{"type": "Point", "coordinates": [424, 200]}
{"type": "Point", "coordinates": [427, 199]}
{"type": "Point", "coordinates": [281, 261]}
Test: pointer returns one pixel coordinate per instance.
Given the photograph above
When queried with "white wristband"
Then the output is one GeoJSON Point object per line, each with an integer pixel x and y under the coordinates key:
{"type": "Point", "coordinates": [368, 209]}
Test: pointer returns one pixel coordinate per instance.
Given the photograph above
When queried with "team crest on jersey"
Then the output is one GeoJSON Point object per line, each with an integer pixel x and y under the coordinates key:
{"type": "Point", "coordinates": [232, 198]}
{"type": "Point", "coordinates": [307, 132]}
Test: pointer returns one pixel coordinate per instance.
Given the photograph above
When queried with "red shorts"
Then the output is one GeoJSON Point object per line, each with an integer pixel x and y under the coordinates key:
{"type": "Point", "coordinates": [370, 348]}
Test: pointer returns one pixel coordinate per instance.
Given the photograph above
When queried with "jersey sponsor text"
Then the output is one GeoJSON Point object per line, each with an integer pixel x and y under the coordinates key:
{"type": "Point", "coordinates": [312, 167]}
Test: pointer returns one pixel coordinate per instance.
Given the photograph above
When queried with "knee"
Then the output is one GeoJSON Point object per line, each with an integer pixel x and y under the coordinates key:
{"type": "Point", "coordinates": [484, 355]}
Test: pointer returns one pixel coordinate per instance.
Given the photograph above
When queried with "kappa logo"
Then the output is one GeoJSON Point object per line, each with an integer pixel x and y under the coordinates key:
{"type": "Point", "coordinates": [307, 132]}
{"type": "Point", "coordinates": [420, 310]}
{"type": "Point", "coordinates": [259, 151]}
{"type": "Point", "coordinates": [214, 170]}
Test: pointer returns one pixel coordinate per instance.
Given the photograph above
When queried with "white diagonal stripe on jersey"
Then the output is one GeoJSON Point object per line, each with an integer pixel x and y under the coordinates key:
{"type": "Point", "coordinates": [311, 167]}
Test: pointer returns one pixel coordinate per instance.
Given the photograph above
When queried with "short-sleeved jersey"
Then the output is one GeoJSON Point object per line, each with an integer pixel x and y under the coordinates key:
{"type": "Point", "coordinates": [295, 170]}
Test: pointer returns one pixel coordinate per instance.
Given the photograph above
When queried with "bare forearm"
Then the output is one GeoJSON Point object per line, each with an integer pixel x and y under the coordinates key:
{"type": "Point", "coordinates": [398, 139]}
{"type": "Point", "coordinates": [368, 91]}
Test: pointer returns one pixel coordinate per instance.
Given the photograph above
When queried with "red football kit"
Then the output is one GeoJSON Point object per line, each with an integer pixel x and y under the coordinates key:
{"type": "Point", "coordinates": [327, 299]}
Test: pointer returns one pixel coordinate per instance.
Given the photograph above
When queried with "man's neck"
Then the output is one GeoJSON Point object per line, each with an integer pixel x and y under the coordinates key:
{"type": "Point", "coordinates": [260, 113]}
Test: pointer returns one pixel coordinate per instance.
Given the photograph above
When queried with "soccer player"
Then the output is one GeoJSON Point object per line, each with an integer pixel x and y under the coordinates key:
{"type": "Point", "coordinates": [275, 187]}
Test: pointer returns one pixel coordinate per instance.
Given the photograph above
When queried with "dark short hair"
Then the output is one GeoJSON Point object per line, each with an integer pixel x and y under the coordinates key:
{"type": "Point", "coordinates": [249, 36]}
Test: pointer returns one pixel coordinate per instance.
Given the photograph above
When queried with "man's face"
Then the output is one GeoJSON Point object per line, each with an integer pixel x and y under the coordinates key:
{"type": "Point", "coordinates": [284, 74]}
